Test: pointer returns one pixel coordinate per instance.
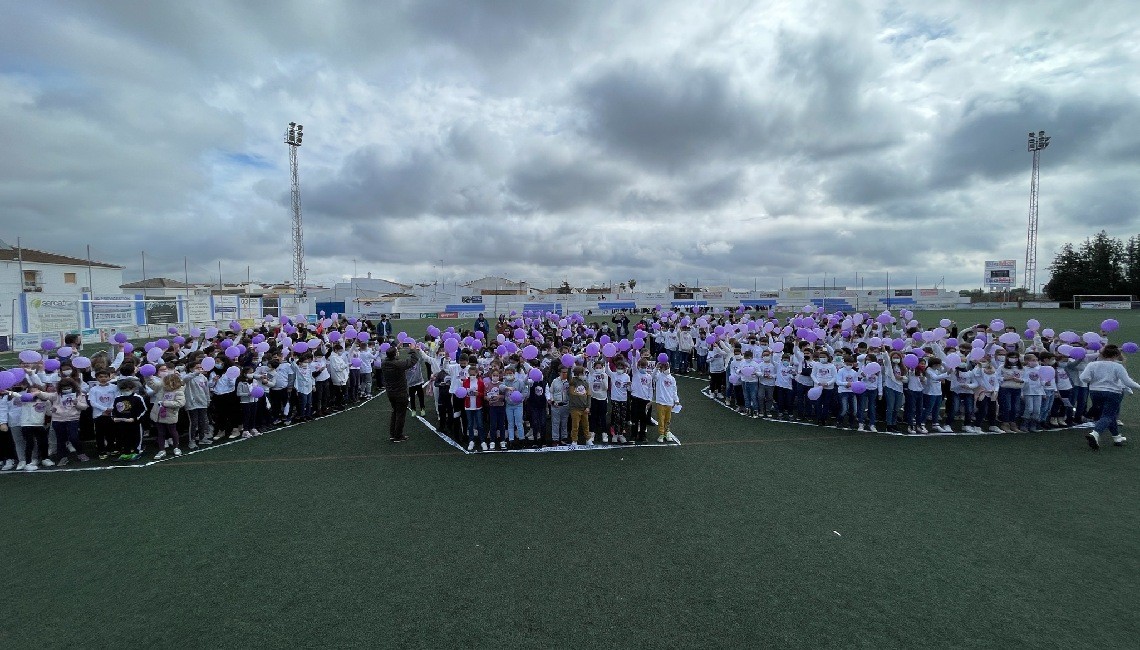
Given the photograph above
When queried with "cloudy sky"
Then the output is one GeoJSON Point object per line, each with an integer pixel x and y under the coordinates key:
{"type": "Point", "coordinates": [717, 142]}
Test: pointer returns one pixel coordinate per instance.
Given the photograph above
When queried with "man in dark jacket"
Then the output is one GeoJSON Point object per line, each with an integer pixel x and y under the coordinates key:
{"type": "Point", "coordinates": [394, 371]}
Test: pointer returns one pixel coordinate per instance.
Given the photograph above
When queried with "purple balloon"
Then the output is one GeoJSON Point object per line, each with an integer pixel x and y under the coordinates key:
{"type": "Point", "coordinates": [257, 392]}
{"type": "Point", "coordinates": [516, 397]}
{"type": "Point", "coordinates": [568, 360]}
{"type": "Point", "coordinates": [208, 363]}
{"type": "Point", "coordinates": [858, 387]}
{"type": "Point", "coordinates": [300, 348]}
{"type": "Point", "coordinates": [120, 337]}
{"type": "Point", "coordinates": [1128, 348]}
{"type": "Point", "coordinates": [47, 345]}
{"type": "Point", "coordinates": [814, 392]}
{"type": "Point", "coordinates": [663, 358]}
{"type": "Point", "coordinates": [535, 375]}
{"type": "Point", "coordinates": [51, 365]}
{"type": "Point", "coordinates": [81, 362]}
{"type": "Point", "coordinates": [232, 372]}
{"type": "Point", "coordinates": [363, 337]}
{"type": "Point", "coordinates": [30, 356]}
{"type": "Point", "coordinates": [147, 370]}
{"type": "Point", "coordinates": [461, 392]}
{"type": "Point", "coordinates": [910, 361]}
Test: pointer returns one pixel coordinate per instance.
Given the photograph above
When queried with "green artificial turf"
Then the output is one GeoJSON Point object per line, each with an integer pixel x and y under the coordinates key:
{"type": "Point", "coordinates": [326, 534]}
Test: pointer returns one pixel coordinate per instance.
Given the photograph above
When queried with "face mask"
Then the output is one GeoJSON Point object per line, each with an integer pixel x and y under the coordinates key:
{"type": "Point", "coordinates": [64, 373]}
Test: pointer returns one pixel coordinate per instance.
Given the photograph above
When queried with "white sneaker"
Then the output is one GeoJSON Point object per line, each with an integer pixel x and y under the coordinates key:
{"type": "Point", "coordinates": [160, 455]}
{"type": "Point", "coordinates": [22, 466]}
{"type": "Point", "coordinates": [1119, 440]}
{"type": "Point", "coordinates": [995, 430]}
{"type": "Point", "coordinates": [660, 438]}
{"type": "Point", "coordinates": [605, 437]}
{"type": "Point", "coordinates": [70, 448]}
{"type": "Point", "coordinates": [872, 429]}
{"type": "Point", "coordinates": [255, 432]}
{"type": "Point", "coordinates": [911, 430]}
{"type": "Point", "coordinates": [235, 434]}
{"type": "Point", "coordinates": [8, 464]}
{"type": "Point", "coordinates": [530, 436]}
{"type": "Point", "coordinates": [177, 451]}
{"type": "Point", "coordinates": [423, 413]}
{"type": "Point", "coordinates": [590, 441]}
{"type": "Point", "coordinates": [47, 462]}
{"type": "Point", "coordinates": [484, 446]}
{"type": "Point", "coordinates": [922, 428]}
{"type": "Point", "coordinates": [31, 467]}
{"type": "Point", "coordinates": [1094, 439]}
{"type": "Point", "coordinates": [859, 428]}
{"type": "Point", "coordinates": [169, 442]}
{"type": "Point", "coordinates": [471, 446]}
{"type": "Point", "coordinates": [245, 435]}
{"type": "Point", "coordinates": [193, 445]}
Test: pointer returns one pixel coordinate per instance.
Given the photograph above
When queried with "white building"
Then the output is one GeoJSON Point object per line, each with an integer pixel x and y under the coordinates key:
{"type": "Point", "coordinates": [495, 283]}
{"type": "Point", "coordinates": [39, 273]}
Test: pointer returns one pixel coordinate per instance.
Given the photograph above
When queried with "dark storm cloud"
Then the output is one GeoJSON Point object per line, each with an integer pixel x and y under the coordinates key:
{"type": "Point", "coordinates": [670, 117]}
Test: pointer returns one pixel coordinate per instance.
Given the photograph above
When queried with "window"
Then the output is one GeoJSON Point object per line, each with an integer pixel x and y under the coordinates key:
{"type": "Point", "coordinates": [69, 278]}
{"type": "Point", "coordinates": [32, 281]}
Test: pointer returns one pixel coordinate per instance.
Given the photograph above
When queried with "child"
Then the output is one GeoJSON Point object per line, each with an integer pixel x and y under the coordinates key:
{"type": "Point", "coordinates": [558, 396]}
{"type": "Point", "coordinates": [786, 372]}
{"type": "Point", "coordinates": [962, 385]}
{"type": "Point", "coordinates": [196, 390]}
{"type": "Point", "coordinates": [932, 396]}
{"type": "Point", "coordinates": [619, 404]}
{"type": "Point", "coordinates": [580, 407]}
{"type": "Point", "coordinates": [244, 389]}
{"type": "Point", "coordinates": [535, 411]}
{"type": "Point", "coordinates": [514, 380]}
{"type": "Point", "coordinates": [473, 396]}
{"type": "Point", "coordinates": [67, 405]}
{"type": "Point", "coordinates": [1009, 395]}
{"type": "Point", "coordinates": [1032, 392]}
{"type": "Point", "coordinates": [749, 372]}
{"type": "Point", "coordinates": [845, 378]}
{"type": "Point", "coordinates": [303, 384]}
{"type": "Point", "coordinates": [101, 397]}
{"type": "Point", "coordinates": [127, 413]}
{"type": "Point", "coordinates": [893, 380]}
{"type": "Point", "coordinates": [599, 390]}
{"type": "Point", "coordinates": [1107, 380]}
{"type": "Point", "coordinates": [988, 382]}
{"type": "Point", "coordinates": [641, 394]}
{"type": "Point", "coordinates": [867, 401]}
{"type": "Point", "coordinates": [169, 399]}
{"type": "Point", "coordinates": [665, 399]}
{"type": "Point", "coordinates": [767, 370]}
{"type": "Point", "coordinates": [823, 374]}
{"type": "Point", "coordinates": [497, 406]}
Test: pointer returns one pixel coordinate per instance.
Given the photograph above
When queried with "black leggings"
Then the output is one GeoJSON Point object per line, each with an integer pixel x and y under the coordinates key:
{"type": "Point", "coordinates": [416, 392]}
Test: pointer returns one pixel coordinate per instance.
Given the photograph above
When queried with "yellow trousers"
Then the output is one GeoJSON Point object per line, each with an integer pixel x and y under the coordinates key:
{"type": "Point", "coordinates": [664, 417]}
{"type": "Point", "coordinates": [579, 420]}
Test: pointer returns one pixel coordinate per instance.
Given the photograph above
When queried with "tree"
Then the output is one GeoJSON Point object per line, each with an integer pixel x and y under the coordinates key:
{"type": "Point", "coordinates": [564, 288]}
{"type": "Point", "coordinates": [1102, 265]}
{"type": "Point", "coordinates": [632, 283]}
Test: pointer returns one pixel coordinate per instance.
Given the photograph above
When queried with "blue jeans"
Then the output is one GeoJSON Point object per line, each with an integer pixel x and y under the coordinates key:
{"type": "Point", "coordinates": [498, 422]}
{"type": "Point", "coordinates": [1080, 398]}
{"type": "Point", "coordinates": [1047, 405]}
{"type": "Point", "coordinates": [826, 404]}
{"type": "Point", "coordinates": [892, 399]}
{"type": "Point", "coordinates": [751, 392]}
{"type": "Point", "coordinates": [474, 424]}
{"type": "Point", "coordinates": [1109, 404]}
{"type": "Point", "coordinates": [867, 405]}
{"type": "Point", "coordinates": [963, 402]}
{"type": "Point", "coordinates": [913, 407]}
{"type": "Point", "coordinates": [1009, 404]}
{"type": "Point", "coordinates": [930, 406]}
{"type": "Point", "coordinates": [1032, 409]}
{"type": "Point", "coordinates": [305, 404]}
{"type": "Point", "coordinates": [514, 421]}
{"type": "Point", "coordinates": [847, 406]}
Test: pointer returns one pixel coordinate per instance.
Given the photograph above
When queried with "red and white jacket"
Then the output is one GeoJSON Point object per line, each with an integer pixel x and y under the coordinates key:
{"type": "Point", "coordinates": [476, 391]}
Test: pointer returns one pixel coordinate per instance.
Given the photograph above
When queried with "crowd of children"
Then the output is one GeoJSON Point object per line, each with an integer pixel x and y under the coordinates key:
{"type": "Point", "coordinates": [548, 379]}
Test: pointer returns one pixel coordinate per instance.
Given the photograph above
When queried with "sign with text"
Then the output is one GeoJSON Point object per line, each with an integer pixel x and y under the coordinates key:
{"type": "Point", "coordinates": [1000, 273]}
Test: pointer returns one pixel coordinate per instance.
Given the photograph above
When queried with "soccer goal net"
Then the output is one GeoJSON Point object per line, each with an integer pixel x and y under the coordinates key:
{"type": "Point", "coordinates": [1092, 301]}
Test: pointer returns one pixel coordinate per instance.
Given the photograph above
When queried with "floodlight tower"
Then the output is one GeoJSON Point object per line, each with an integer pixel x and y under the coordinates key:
{"type": "Point", "coordinates": [293, 137]}
{"type": "Point", "coordinates": [1037, 142]}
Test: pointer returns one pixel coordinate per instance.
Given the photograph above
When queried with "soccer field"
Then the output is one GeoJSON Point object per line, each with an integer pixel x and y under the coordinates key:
{"type": "Point", "coordinates": [749, 534]}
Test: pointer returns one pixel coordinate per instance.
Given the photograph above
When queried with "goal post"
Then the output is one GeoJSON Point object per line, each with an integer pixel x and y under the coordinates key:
{"type": "Point", "coordinates": [1096, 301]}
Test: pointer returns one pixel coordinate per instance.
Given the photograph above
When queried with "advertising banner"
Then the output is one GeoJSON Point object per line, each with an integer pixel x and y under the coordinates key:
{"type": "Point", "coordinates": [225, 308]}
{"type": "Point", "coordinates": [161, 312]}
{"type": "Point", "coordinates": [198, 309]}
{"type": "Point", "coordinates": [112, 311]}
{"type": "Point", "coordinates": [1000, 273]}
{"type": "Point", "coordinates": [51, 313]}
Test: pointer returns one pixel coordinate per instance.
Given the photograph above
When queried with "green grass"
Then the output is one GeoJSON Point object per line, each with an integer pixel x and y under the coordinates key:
{"type": "Point", "coordinates": [326, 534]}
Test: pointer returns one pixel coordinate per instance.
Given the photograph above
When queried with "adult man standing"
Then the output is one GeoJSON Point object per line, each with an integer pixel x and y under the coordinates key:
{"type": "Point", "coordinates": [384, 328]}
{"type": "Point", "coordinates": [394, 371]}
{"type": "Point", "coordinates": [481, 325]}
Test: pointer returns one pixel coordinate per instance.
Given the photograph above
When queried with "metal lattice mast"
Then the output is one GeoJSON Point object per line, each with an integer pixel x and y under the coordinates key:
{"type": "Point", "coordinates": [1037, 142]}
{"type": "Point", "coordinates": [293, 137]}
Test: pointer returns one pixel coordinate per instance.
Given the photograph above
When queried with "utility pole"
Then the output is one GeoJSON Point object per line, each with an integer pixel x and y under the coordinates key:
{"type": "Point", "coordinates": [293, 137]}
